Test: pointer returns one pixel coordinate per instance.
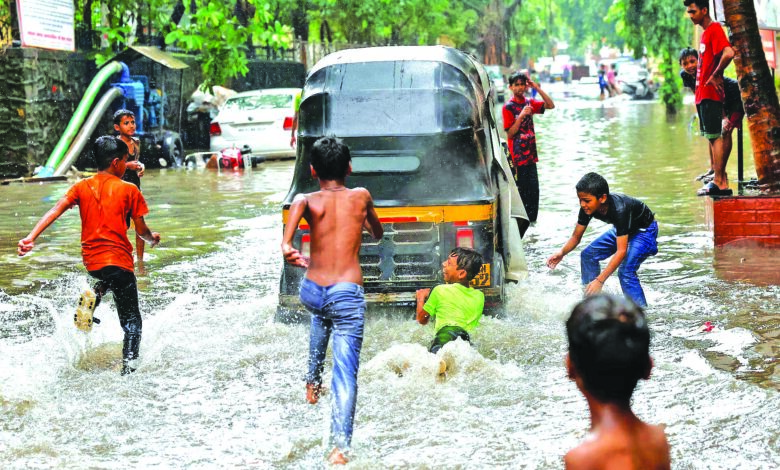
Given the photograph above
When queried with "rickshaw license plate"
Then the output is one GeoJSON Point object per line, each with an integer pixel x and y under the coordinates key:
{"type": "Point", "coordinates": [483, 278]}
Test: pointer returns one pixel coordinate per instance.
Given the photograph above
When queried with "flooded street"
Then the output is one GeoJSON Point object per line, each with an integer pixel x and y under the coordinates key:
{"type": "Point", "coordinates": [220, 384]}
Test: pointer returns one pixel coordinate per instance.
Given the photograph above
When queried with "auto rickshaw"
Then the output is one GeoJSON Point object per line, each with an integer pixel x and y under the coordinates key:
{"type": "Point", "coordinates": [422, 134]}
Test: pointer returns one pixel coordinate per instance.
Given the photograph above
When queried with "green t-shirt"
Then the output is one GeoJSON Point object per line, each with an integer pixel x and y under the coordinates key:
{"type": "Point", "coordinates": [455, 305]}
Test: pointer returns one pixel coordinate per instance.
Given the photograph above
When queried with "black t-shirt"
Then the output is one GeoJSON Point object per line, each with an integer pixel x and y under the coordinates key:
{"type": "Point", "coordinates": [131, 176]}
{"type": "Point", "coordinates": [733, 100]}
{"type": "Point", "coordinates": [627, 214]}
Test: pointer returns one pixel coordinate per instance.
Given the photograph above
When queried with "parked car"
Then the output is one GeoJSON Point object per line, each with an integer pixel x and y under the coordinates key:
{"type": "Point", "coordinates": [498, 78]}
{"type": "Point", "coordinates": [420, 126]}
{"type": "Point", "coordinates": [261, 120]}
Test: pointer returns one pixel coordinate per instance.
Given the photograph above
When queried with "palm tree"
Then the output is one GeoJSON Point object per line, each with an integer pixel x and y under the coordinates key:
{"type": "Point", "coordinates": [758, 91]}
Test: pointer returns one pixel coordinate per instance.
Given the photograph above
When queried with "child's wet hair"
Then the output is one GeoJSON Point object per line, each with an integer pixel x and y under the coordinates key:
{"type": "Point", "coordinates": [687, 52]}
{"type": "Point", "coordinates": [468, 260]}
{"type": "Point", "coordinates": [106, 149]}
{"type": "Point", "coordinates": [609, 346]}
{"type": "Point", "coordinates": [330, 158]}
{"type": "Point", "coordinates": [122, 113]}
{"type": "Point", "coordinates": [593, 183]}
{"type": "Point", "coordinates": [515, 76]}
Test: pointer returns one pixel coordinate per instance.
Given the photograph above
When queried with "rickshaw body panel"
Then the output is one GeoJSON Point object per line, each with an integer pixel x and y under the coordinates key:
{"type": "Point", "coordinates": [422, 137]}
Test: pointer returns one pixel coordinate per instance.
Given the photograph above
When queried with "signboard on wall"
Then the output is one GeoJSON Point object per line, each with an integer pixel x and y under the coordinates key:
{"type": "Point", "coordinates": [46, 23]}
{"type": "Point", "coordinates": [767, 13]}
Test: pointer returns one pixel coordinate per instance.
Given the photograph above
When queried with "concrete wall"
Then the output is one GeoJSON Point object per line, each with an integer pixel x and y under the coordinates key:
{"type": "Point", "coordinates": [39, 91]}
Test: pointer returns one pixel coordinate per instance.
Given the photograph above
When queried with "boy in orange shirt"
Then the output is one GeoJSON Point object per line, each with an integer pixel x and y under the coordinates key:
{"type": "Point", "coordinates": [104, 202]}
{"type": "Point", "coordinates": [609, 351]}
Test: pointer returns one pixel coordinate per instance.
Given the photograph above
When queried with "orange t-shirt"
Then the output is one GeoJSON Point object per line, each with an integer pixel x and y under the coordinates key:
{"type": "Point", "coordinates": [104, 203]}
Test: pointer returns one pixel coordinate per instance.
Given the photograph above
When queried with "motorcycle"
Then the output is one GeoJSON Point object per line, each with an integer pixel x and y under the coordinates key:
{"type": "Point", "coordinates": [639, 88]}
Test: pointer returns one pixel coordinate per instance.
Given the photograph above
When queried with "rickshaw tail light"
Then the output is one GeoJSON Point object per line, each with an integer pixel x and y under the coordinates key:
{"type": "Point", "coordinates": [306, 245]}
{"type": "Point", "coordinates": [214, 129]}
{"type": "Point", "coordinates": [464, 238]}
{"type": "Point", "coordinates": [288, 123]}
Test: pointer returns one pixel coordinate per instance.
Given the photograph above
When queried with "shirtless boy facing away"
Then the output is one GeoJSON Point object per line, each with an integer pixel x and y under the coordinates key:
{"type": "Point", "coordinates": [609, 344]}
{"type": "Point", "coordinates": [332, 290]}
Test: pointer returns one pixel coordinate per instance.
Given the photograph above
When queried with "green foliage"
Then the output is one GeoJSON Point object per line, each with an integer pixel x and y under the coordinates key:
{"type": "Point", "coordinates": [222, 41]}
{"type": "Point", "coordinates": [376, 22]}
{"type": "Point", "coordinates": [5, 25]}
{"type": "Point", "coordinates": [659, 28]}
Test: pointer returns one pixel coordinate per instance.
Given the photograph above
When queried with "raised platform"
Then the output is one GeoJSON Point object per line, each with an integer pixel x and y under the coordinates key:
{"type": "Point", "coordinates": [754, 219]}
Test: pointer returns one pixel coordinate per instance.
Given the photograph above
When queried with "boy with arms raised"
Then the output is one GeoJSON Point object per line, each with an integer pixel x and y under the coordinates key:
{"type": "Point", "coordinates": [105, 201]}
{"type": "Point", "coordinates": [631, 239]}
{"type": "Point", "coordinates": [609, 351]}
{"type": "Point", "coordinates": [332, 290]}
{"type": "Point", "coordinates": [456, 306]}
{"type": "Point", "coordinates": [518, 115]}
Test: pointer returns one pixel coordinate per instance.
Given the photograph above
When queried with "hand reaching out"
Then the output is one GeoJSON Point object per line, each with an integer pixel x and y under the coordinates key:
{"type": "Point", "coordinates": [294, 257]}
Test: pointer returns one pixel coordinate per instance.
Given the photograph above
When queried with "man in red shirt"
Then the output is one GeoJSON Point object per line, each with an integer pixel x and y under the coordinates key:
{"type": "Point", "coordinates": [105, 202]}
{"type": "Point", "coordinates": [521, 138]}
{"type": "Point", "coordinates": [715, 54]}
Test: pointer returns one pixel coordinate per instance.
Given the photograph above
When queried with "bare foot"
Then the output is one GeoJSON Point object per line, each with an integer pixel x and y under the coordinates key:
{"type": "Point", "coordinates": [313, 393]}
{"type": "Point", "coordinates": [336, 457]}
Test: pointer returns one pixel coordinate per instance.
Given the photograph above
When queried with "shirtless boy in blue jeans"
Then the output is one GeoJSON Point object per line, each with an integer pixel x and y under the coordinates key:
{"type": "Point", "coordinates": [332, 290]}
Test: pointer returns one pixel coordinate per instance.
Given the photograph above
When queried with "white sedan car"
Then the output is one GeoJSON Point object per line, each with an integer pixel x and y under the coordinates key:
{"type": "Point", "coordinates": [260, 119]}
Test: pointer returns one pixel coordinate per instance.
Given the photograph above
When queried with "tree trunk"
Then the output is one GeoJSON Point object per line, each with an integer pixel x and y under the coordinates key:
{"type": "Point", "coordinates": [176, 16]}
{"type": "Point", "coordinates": [758, 91]}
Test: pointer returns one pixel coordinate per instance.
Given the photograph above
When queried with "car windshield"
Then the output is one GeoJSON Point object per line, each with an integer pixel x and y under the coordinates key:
{"type": "Point", "coordinates": [264, 101]}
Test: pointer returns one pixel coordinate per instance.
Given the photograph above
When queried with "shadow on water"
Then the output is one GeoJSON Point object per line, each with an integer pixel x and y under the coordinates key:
{"type": "Point", "coordinates": [220, 384]}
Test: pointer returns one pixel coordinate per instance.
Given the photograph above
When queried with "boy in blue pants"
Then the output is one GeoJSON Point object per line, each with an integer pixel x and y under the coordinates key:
{"type": "Point", "coordinates": [631, 239]}
{"type": "Point", "coordinates": [332, 290]}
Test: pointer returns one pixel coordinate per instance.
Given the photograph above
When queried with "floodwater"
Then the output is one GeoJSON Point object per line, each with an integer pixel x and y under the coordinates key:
{"type": "Point", "coordinates": [220, 384]}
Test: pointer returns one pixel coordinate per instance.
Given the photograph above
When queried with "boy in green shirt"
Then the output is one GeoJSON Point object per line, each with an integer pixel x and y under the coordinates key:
{"type": "Point", "coordinates": [456, 307]}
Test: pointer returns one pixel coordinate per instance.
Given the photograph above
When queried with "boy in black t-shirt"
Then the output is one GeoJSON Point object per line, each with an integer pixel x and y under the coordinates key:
{"type": "Point", "coordinates": [733, 111]}
{"type": "Point", "coordinates": [631, 239]}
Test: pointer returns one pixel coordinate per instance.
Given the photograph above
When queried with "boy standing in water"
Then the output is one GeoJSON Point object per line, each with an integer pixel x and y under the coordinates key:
{"type": "Point", "coordinates": [631, 239]}
{"type": "Point", "coordinates": [521, 138]}
{"type": "Point", "coordinates": [609, 351]}
{"type": "Point", "coordinates": [456, 306]}
{"type": "Point", "coordinates": [104, 202]}
{"type": "Point", "coordinates": [332, 290]}
{"type": "Point", "coordinates": [124, 124]}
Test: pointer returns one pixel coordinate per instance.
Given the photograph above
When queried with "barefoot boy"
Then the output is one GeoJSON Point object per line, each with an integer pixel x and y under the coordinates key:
{"type": "Point", "coordinates": [124, 124]}
{"type": "Point", "coordinates": [332, 290]}
{"type": "Point", "coordinates": [609, 346]}
{"type": "Point", "coordinates": [104, 202]}
{"type": "Point", "coordinates": [630, 241]}
{"type": "Point", "coordinates": [456, 306]}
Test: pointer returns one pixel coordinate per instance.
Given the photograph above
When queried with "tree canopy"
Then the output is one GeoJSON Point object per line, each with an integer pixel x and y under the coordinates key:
{"type": "Point", "coordinates": [225, 33]}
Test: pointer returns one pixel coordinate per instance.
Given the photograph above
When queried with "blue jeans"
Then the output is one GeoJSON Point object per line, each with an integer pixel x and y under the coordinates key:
{"type": "Point", "coordinates": [338, 308]}
{"type": "Point", "coordinates": [640, 245]}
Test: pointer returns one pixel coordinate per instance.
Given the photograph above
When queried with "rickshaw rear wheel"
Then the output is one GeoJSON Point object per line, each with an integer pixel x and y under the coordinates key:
{"type": "Point", "coordinates": [498, 310]}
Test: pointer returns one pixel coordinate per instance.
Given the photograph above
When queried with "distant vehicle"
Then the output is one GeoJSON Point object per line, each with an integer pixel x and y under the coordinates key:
{"type": "Point", "coordinates": [261, 120]}
{"type": "Point", "coordinates": [634, 80]}
{"type": "Point", "coordinates": [496, 74]}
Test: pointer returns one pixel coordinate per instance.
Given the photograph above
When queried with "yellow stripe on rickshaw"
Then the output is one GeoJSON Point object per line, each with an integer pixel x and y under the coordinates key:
{"type": "Point", "coordinates": [435, 214]}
